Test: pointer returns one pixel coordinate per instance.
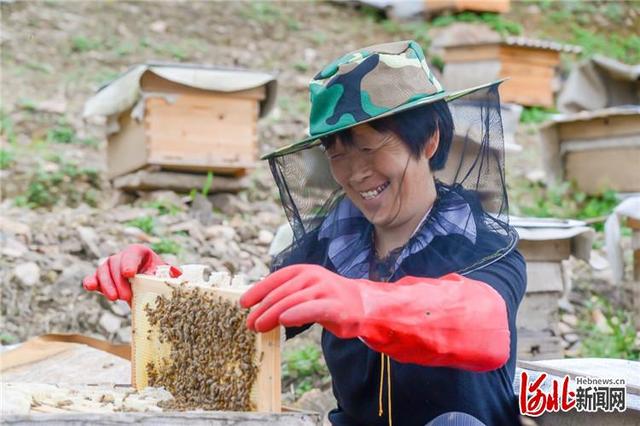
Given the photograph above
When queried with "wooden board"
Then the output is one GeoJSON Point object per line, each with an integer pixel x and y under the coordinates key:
{"type": "Point", "coordinates": [144, 180]}
{"type": "Point", "coordinates": [126, 149]}
{"type": "Point", "coordinates": [600, 127]}
{"type": "Point", "coordinates": [544, 277]}
{"type": "Point", "coordinates": [266, 393]}
{"type": "Point", "coordinates": [546, 250]}
{"type": "Point", "coordinates": [538, 345]}
{"type": "Point", "coordinates": [204, 418]}
{"type": "Point", "coordinates": [599, 169]}
{"type": "Point", "coordinates": [497, 6]}
{"type": "Point", "coordinates": [538, 312]}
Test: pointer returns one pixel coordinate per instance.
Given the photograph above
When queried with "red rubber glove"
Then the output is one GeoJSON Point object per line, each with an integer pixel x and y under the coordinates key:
{"type": "Point", "coordinates": [112, 277]}
{"type": "Point", "coordinates": [452, 321]}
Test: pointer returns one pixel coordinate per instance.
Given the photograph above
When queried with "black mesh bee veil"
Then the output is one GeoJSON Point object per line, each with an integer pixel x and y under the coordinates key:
{"type": "Point", "coordinates": [467, 226]}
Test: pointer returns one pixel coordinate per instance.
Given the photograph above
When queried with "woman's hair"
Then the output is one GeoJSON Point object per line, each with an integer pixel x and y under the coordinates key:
{"type": "Point", "coordinates": [414, 127]}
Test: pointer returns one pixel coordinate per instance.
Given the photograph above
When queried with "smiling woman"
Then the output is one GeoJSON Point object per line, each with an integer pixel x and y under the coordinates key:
{"type": "Point", "coordinates": [402, 249]}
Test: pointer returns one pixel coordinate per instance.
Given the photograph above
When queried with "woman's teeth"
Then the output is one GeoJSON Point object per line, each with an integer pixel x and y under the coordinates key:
{"type": "Point", "coordinates": [370, 195]}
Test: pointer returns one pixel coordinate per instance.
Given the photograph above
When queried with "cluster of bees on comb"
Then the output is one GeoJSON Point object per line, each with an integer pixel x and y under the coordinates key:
{"type": "Point", "coordinates": [212, 364]}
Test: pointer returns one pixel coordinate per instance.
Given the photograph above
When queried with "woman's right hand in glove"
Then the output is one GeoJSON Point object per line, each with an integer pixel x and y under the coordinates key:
{"type": "Point", "coordinates": [112, 276]}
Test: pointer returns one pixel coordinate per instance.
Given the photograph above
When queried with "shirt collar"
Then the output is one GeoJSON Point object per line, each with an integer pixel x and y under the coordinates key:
{"type": "Point", "coordinates": [350, 232]}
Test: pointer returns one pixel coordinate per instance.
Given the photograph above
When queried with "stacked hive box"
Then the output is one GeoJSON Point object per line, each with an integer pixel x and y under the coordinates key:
{"type": "Point", "coordinates": [598, 150]}
{"type": "Point", "coordinates": [529, 64]}
{"type": "Point", "coordinates": [545, 250]}
{"type": "Point", "coordinates": [183, 117]}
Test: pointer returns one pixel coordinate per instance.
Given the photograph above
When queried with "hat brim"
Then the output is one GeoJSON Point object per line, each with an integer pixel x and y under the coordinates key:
{"type": "Point", "coordinates": [315, 139]}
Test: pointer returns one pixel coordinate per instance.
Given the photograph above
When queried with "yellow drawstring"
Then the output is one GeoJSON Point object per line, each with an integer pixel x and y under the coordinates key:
{"type": "Point", "coordinates": [380, 410]}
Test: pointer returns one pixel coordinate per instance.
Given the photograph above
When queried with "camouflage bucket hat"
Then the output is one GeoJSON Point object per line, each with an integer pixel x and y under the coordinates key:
{"type": "Point", "coordinates": [368, 84]}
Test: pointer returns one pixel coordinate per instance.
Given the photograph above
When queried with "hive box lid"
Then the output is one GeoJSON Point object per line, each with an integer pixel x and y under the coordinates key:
{"type": "Point", "coordinates": [122, 93]}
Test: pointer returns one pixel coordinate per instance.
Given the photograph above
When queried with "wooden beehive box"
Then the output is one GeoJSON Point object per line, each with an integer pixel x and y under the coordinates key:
{"type": "Point", "coordinates": [146, 346]}
{"type": "Point", "coordinates": [497, 6]}
{"type": "Point", "coordinates": [530, 66]}
{"type": "Point", "coordinates": [599, 150]}
{"type": "Point", "coordinates": [544, 250]}
{"type": "Point", "coordinates": [183, 117]}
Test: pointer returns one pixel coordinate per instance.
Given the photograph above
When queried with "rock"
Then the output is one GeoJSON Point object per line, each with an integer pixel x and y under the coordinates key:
{"type": "Point", "coordinates": [124, 334]}
{"type": "Point", "coordinates": [120, 308]}
{"type": "Point", "coordinates": [571, 337]}
{"type": "Point", "coordinates": [27, 274]}
{"type": "Point", "coordinates": [220, 231]}
{"type": "Point", "coordinates": [192, 227]}
{"type": "Point", "coordinates": [137, 233]}
{"type": "Point", "coordinates": [258, 272]}
{"type": "Point", "coordinates": [8, 226]}
{"type": "Point", "coordinates": [265, 237]}
{"type": "Point", "coordinates": [317, 400]}
{"type": "Point", "coordinates": [158, 27]}
{"type": "Point", "coordinates": [12, 248]}
{"type": "Point", "coordinates": [110, 323]}
{"type": "Point", "coordinates": [202, 210]}
{"type": "Point", "coordinates": [89, 240]}
{"type": "Point", "coordinates": [570, 319]}
{"type": "Point", "coordinates": [73, 273]}
{"type": "Point", "coordinates": [564, 328]}
{"type": "Point", "coordinates": [229, 204]}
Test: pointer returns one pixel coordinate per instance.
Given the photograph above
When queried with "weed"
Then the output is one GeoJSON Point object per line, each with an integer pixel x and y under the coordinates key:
{"type": "Point", "coordinates": [166, 245]}
{"type": "Point", "coordinates": [318, 37]}
{"type": "Point", "coordinates": [562, 201]}
{"type": "Point", "coordinates": [84, 44]}
{"type": "Point", "coordinates": [6, 127]}
{"type": "Point", "coordinates": [301, 66]}
{"type": "Point", "coordinates": [625, 49]}
{"type": "Point", "coordinates": [164, 207]}
{"type": "Point", "coordinates": [493, 20]}
{"type": "Point", "coordinates": [262, 11]}
{"type": "Point", "coordinates": [536, 115]}
{"type": "Point", "coordinates": [61, 133]}
{"type": "Point", "coordinates": [7, 338]}
{"type": "Point", "coordinates": [27, 104]}
{"type": "Point", "coordinates": [6, 159]}
{"type": "Point", "coordinates": [146, 224]}
{"type": "Point", "coordinates": [206, 187]}
{"type": "Point", "coordinates": [616, 338]}
{"type": "Point", "coordinates": [304, 368]}
{"type": "Point", "coordinates": [68, 185]}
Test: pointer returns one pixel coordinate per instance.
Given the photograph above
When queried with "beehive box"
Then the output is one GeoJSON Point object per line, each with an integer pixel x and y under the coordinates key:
{"type": "Point", "coordinates": [545, 248]}
{"type": "Point", "coordinates": [529, 64]}
{"type": "Point", "coordinates": [598, 150]}
{"type": "Point", "coordinates": [210, 347]}
{"type": "Point", "coordinates": [183, 117]}
{"type": "Point", "coordinates": [498, 6]}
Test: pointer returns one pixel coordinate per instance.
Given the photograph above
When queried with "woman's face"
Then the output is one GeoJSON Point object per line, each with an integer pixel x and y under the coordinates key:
{"type": "Point", "coordinates": [381, 177]}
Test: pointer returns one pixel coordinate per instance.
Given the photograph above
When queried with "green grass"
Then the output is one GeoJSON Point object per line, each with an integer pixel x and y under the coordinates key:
{"type": "Point", "coordinates": [146, 224]}
{"type": "Point", "coordinates": [623, 48]}
{"type": "Point", "coordinates": [68, 185]}
{"type": "Point", "coordinates": [6, 127]}
{"type": "Point", "coordinates": [617, 339]}
{"type": "Point", "coordinates": [164, 208]}
{"type": "Point", "coordinates": [560, 201]}
{"type": "Point", "coordinates": [536, 115]}
{"type": "Point", "coordinates": [304, 368]}
{"type": "Point", "coordinates": [166, 245]}
{"type": "Point", "coordinates": [6, 158]}
{"type": "Point", "coordinates": [495, 21]}
{"type": "Point", "coordinates": [83, 44]}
